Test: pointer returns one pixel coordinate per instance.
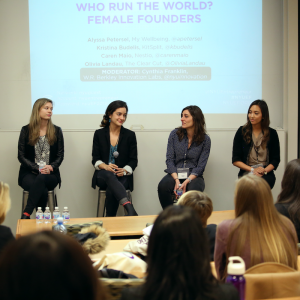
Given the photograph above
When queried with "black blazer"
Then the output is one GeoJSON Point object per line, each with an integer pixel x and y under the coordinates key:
{"type": "Point", "coordinates": [241, 150]}
{"type": "Point", "coordinates": [127, 148]}
{"type": "Point", "coordinates": [26, 154]}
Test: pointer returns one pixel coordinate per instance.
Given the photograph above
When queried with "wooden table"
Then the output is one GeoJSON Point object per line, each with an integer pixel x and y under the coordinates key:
{"type": "Point", "coordinates": [125, 227]}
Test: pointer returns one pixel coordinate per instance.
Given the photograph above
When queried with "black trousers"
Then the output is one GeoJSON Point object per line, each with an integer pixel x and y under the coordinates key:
{"type": "Point", "coordinates": [115, 190]}
{"type": "Point", "coordinates": [166, 188]}
{"type": "Point", "coordinates": [269, 178]}
{"type": "Point", "coordinates": [38, 187]}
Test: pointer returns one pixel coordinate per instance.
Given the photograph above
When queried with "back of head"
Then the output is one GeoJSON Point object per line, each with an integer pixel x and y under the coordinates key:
{"type": "Point", "coordinates": [200, 202]}
{"type": "Point", "coordinates": [47, 265]}
{"type": "Point", "coordinates": [290, 192]}
{"type": "Point", "coordinates": [257, 222]}
{"type": "Point", "coordinates": [178, 257]}
{"type": "Point", "coordinates": [4, 201]}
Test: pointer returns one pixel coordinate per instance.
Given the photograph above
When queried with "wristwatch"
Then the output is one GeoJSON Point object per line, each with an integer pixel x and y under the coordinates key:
{"type": "Point", "coordinates": [252, 170]}
{"type": "Point", "coordinates": [124, 173]}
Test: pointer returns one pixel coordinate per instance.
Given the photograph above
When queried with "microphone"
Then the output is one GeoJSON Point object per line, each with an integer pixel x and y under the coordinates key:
{"type": "Point", "coordinates": [116, 154]}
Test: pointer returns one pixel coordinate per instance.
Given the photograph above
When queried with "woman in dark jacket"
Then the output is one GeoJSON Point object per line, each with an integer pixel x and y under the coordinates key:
{"type": "Point", "coordinates": [256, 146]}
{"type": "Point", "coordinates": [178, 261]}
{"type": "Point", "coordinates": [115, 158]}
{"type": "Point", "coordinates": [288, 201]}
{"type": "Point", "coordinates": [40, 152]}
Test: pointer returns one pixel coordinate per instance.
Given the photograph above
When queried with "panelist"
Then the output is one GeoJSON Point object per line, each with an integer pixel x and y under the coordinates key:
{"type": "Point", "coordinates": [40, 152]}
{"type": "Point", "coordinates": [115, 158]}
{"type": "Point", "coordinates": [256, 147]}
{"type": "Point", "coordinates": [187, 154]}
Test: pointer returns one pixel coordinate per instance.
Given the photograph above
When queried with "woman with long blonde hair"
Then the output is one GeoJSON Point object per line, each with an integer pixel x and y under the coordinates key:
{"type": "Point", "coordinates": [40, 152]}
{"type": "Point", "coordinates": [258, 233]}
{"type": "Point", "coordinates": [5, 232]}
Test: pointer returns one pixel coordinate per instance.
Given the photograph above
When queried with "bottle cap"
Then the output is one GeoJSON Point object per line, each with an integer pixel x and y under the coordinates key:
{"type": "Point", "coordinates": [39, 208]}
{"type": "Point", "coordinates": [65, 207]}
{"type": "Point", "coordinates": [47, 207]}
{"type": "Point", "coordinates": [236, 268]}
{"type": "Point", "coordinates": [60, 220]}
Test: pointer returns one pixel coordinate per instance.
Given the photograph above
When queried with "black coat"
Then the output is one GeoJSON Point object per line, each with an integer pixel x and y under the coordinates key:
{"type": "Point", "coordinates": [6, 236]}
{"type": "Point", "coordinates": [127, 148]}
{"type": "Point", "coordinates": [26, 154]}
{"type": "Point", "coordinates": [241, 150]}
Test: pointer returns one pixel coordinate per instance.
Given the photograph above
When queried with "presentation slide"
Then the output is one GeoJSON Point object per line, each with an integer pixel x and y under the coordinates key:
{"type": "Point", "coordinates": [157, 56]}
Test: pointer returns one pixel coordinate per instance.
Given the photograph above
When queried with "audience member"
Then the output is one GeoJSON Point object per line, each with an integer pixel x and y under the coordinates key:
{"type": "Point", "coordinates": [178, 261]}
{"type": "Point", "coordinates": [5, 232]}
{"type": "Point", "coordinates": [47, 265]}
{"type": "Point", "coordinates": [288, 201]}
{"type": "Point", "coordinates": [258, 233]}
{"type": "Point", "coordinates": [203, 205]}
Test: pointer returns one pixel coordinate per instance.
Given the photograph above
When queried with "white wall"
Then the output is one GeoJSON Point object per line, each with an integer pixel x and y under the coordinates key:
{"type": "Point", "coordinates": [76, 170]}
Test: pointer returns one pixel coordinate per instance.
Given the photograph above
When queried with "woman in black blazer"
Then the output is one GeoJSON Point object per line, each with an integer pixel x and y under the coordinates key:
{"type": "Point", "coordinates": [40, 141]}
{"type": "Point", "coordinates": [115, 158]}
{"type": "Point", "coordinates": [256, 146]}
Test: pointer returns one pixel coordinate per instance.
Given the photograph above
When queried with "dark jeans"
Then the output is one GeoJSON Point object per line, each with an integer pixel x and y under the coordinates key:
{"type": "Point", "coordinates": [38, 187]}
{"type": "Point", "coordinates": [166, 189]}
{"type": "Point", "coordinates": [115, 190]}
{"type": "Point", "coordinates": [269, 178]}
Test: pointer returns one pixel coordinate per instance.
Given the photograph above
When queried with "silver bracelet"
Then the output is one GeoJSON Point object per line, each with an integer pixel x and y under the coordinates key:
{"type": "Point", "coordinates": [190, 180]}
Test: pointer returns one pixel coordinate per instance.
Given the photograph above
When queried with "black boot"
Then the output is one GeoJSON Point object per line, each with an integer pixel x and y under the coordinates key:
{"type": "Point", "coordinates": [130, 209]}
{"type": "Point", "coordinates": [25, 217]}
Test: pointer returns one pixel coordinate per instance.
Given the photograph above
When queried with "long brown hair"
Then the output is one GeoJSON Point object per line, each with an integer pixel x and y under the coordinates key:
{"type": "Point", "coordinates": [257, 220]}
{"type": "Point", "coordinates": [290, 192]}
{"type": "Point", "coordinates": [199, 124]}
{"type": "Point", "coordinates": [178, 257]}
{"type": "Point", "coordinates": [34, 123]}
{"type": "Point", "coordinates": [265, 123]}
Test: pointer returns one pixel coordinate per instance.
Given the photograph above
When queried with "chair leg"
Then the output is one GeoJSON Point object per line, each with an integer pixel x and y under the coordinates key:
{"type": "Point", "coordinates": [51, 201]}
{"type": "Point", "coordinates": [99, 195]}
{"type": "Point", "coordinates": [104, 208]}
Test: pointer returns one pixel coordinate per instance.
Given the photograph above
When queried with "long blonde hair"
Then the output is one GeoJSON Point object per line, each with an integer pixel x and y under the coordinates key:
{"type": "Point", "coordinates": [4, 201]}
{"type": "Point", "coordinates": [257, 219]}
{"type": "Point", "coordinates": [34, 123]}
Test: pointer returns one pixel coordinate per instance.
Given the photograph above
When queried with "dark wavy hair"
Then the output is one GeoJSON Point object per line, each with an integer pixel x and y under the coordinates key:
{"type": "Point", "coordinates": [48, 264]}
{"type": "Point", "coordinates": [113, 106]}
{"type": "Point", "coordinates": [290, 192]}
{"type": "Point", "coordinates": [265, 123]}
{"type": "Point", "coordinates": [199, 123]}
{"type": "Point", "coordinates": [178, 257]}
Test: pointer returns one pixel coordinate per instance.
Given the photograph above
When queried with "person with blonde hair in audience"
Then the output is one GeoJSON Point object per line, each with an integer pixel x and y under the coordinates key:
{"type": "Point", "coordinates": [178, 261]}
{"type": "Point", "coordinates": [203, 206]}
{"type": "Point", "coordinates": [48, 265]}
{"type": "Point", "coordinates": [258, 233]}
{"type": "Point", "coordinates": [288, 201]}
{"type": "Point", "coordinates": [5, 233]}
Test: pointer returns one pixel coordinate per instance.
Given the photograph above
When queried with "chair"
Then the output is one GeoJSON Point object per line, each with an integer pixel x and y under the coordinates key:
{"type": "Point", "coordinates": [102, 202]}
{"type": "Point", "coordinates": [52, 200]}
{"type": "Point", "coordinates": [271, 280]}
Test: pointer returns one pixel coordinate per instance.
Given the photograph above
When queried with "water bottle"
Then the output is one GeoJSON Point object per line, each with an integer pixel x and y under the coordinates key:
{"type": "Point", "coordinates": [179, 192]}
{"type": "Point", "coordinates": [235, 273]}
{"type": "Point", "coordinates": [47, 215]}
{"type": "Point", "coordinates": [66, 215]}
{"type": "Point", "coordinates": [60, 226]}
{"type": "Point", "coordinates": [41, 164]}
{"type": "Point", "coordinates": [39, 216]}
{"type": "Point", "coordinates": [56, 214]}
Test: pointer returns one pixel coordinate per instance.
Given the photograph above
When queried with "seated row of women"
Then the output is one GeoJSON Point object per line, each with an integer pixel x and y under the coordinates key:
{"type": "Point", "coordinates": [41, 152]}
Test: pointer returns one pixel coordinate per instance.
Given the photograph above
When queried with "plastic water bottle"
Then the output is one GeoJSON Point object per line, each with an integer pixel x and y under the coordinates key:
{"type": "Point", "coordinates": [66, 215]}
{"type": "Point", "coordinates": [179, 192]}
{"type": "Point", "coordinates": [56, 214]}
{"type": "Point", "coordinates": [236, 273]}
{"type": "Point", "coordinates": [60, 226]}
{"type": "Point", "coordinates": [39, 216]}
{"type": "Point", "coordinates": [41, 164]}
{"type": "Point", "coordinates": [47, 215]}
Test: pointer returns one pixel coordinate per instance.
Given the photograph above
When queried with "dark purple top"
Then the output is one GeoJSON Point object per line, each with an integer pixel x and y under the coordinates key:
{"type": "Point", "coordinates": [196, 156]}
